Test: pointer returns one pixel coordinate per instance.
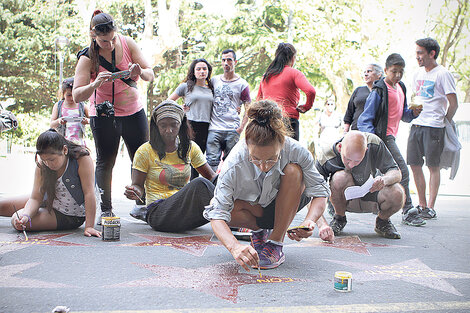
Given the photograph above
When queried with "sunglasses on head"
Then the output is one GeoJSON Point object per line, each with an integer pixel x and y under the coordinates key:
{"type": "Point", "coordinates": [66, 84]}
{"type": "Point", "coordinates": [104, 27]}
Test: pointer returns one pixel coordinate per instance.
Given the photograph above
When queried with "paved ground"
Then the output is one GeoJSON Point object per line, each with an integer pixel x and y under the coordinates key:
{"type": "Point", "coordinates": [427, 270]}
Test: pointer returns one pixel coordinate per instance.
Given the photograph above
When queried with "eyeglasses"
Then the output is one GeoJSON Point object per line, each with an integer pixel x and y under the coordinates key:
{"type": "Point", "coordinates": [267, 162]}
{"type": "Point", "coordinates": [104, 27]}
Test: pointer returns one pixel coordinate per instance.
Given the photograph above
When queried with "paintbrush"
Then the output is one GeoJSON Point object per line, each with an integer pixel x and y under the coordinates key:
{"type": "Point", "coordinates": [135, 193]}
{"type": "Point", "coordinates": [24, 231]}
{"type": "Point", "coordinates": [259, 270]}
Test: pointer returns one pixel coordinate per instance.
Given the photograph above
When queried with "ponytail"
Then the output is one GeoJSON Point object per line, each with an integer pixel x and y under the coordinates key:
{"type": "Point", "coordinates": [285, 53]}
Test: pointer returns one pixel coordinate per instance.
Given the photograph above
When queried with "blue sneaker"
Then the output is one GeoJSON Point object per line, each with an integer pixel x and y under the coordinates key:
{"type": "Point", "coordinates": [271, 256]}
{"type": "Point", "coordinates": [258, 240]}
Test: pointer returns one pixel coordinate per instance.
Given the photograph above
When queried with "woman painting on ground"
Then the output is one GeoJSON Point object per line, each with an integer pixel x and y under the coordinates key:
{"type": "Point", "coordinates": [123, 114]}
{"type": "Point", "coordinates": [265, 180]}
{"type": "Point", "coordinates": [281, 83]}
{"type": "Point", "coordinates": [198, 94]}
{"type": "Point", "coordinates": [63, 195]}
{"type": "Point", "coordinates": [161, 168]}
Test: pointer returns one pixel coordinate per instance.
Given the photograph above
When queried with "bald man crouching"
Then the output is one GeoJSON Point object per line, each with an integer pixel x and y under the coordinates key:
{"type": "Point", "coordinates": [350, 162]}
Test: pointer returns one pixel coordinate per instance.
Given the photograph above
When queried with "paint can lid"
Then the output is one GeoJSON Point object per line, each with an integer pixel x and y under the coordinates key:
{"type": "Point", "coordinates": [343, 275]}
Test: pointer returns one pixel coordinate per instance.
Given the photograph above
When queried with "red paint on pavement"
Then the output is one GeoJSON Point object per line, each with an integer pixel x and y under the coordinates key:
{"type": "Point", "coordinates": [350, 243]}
{"type": "Point", "coordinates": [220, 280]}
{"type": "Point", "coordinates": [195, 245]}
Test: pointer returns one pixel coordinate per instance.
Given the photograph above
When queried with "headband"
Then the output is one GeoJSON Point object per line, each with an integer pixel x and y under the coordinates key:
{"type": "Point", "coordinates": [168, 108]}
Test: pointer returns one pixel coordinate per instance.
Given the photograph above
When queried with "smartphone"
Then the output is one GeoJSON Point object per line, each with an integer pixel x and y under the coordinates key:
{"type": "Point", "coordinates": [121, 74]}
{"type": "Point", "coordinates": [291, 230]}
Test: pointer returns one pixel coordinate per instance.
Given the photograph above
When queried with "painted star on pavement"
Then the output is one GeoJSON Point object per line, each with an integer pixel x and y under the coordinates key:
{"type": "Point", "coordinates": [37, 240]}
{"type": "Point", "coordinates": [5, 243]}
{"type": "Point", "coordinates": [10, 281]}
{"type": "Point", "coordinates": [350, 243]}
{"type": "Point", "coordinates": [195, 245]}
{"type": "Point", "coordinates": [220, 280]}
{"type": "Point", "coordinates": [412, 271]}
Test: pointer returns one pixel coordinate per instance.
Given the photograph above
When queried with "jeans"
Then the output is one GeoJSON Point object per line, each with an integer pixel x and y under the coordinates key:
{"type": "Point", "coordinates": [219, 141]}
{"type": "Point", "coordinates": [107, 133]}
{"type": "Point", "coordinates": [405, 174]}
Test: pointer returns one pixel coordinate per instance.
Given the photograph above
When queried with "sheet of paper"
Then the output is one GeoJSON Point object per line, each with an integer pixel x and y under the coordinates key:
{"type": "Point", "coordinates": [355, 192]}
{"type": "Point", "coordinates": [72, 119]}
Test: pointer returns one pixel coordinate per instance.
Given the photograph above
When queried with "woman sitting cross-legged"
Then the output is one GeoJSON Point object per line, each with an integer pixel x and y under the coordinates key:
{"type": "Point", "coordinates": [64, 193]}
{"type": "Point", "coordinates": [264, 181]}
{"type": "Point", "coordinates": [162, 167]}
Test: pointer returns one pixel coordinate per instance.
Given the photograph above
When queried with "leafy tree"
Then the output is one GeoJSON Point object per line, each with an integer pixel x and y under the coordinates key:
{"type": "Point", "coordinates": [451, 29]}
{"type": "Point", "coordinates": [28, 60]}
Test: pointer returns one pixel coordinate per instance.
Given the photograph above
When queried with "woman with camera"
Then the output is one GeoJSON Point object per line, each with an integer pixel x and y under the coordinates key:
{"type": "Point", "coordinates": [115, 108]}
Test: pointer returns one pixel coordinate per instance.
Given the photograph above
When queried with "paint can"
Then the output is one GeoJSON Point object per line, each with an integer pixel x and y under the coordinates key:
{"type": "Point", "coordinates": [111, 228]}
{"type": "Point", "coordinates": [343, 281]}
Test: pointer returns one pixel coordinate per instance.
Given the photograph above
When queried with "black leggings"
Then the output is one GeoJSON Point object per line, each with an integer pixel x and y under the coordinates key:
{"type": "Point", "coordinates": [405, 174]}
{"type": "Point", "coordinates": [201, 129]}
{"type": "Point", "coordinates": [107, 133]}
{"type": "Point", "coordinates": [294, 125]}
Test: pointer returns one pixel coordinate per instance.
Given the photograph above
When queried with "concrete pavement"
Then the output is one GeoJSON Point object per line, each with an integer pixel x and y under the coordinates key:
{"type": "Point", "coordinates": [426, 271]}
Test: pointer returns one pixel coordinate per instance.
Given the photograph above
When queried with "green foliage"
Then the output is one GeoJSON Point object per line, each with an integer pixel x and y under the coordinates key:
{"type": "Point", "coordinates": [27, 33]}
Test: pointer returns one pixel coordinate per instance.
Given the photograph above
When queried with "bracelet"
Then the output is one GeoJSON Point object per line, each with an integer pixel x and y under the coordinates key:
{"type": "Point", "coordinates": [29, 219]}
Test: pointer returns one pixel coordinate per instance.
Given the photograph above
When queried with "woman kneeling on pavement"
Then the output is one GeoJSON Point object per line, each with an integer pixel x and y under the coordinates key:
{"type": "Point", "coordinates": [64, 193]}
{"type": "Point", "coordinates": [264, 181]}
{"type": "Point", "coordinates": [162, 167]}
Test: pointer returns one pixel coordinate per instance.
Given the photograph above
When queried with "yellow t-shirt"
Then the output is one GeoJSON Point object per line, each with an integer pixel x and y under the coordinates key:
{"type": "Point", "coordinates": [165, 177]}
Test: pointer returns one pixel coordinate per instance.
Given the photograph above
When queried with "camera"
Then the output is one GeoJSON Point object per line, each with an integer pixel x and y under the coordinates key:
{"type": "Point", "coordinates": [104, 109]}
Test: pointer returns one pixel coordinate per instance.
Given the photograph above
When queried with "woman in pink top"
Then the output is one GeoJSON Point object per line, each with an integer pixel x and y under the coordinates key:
{"type": "Point", "coordinates": [123, 116]}
{"type": "Point", "coordinates": [281, 83]}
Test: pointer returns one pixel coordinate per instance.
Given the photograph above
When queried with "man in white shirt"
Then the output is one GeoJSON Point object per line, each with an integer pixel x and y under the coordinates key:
{"type": "Point", "coordinates": [434, 88]}
{"type": "Point", "coordinates": [230, 93]}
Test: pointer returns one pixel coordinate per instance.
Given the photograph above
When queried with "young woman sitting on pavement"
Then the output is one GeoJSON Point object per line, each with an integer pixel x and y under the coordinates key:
{"type": "Point", "coordinates": [264, 181]}
{"type": "Point", "coordinates": [64, 193]}
{"type": "Point", "coordinates": [162, 167]}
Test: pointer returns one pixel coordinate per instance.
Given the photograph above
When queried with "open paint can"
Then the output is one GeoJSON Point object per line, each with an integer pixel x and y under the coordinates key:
{"type": "Point", "coordinates": [343, 281]}
{"type": "Point", "coordinates": [111, 228]}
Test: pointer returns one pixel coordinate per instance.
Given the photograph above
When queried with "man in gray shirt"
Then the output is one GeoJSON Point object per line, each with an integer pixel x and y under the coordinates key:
{"type": "Point", "coordinates": [350, 162]}
{"type": "Point", "coordinates": [230, 93]}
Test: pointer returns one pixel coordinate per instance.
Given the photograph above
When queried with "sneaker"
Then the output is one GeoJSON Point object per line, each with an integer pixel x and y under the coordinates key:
{"type": "Point", "coordinates": [386, 229]}
{"type": "Point", "coordinates": [412, 218]}
{"type": "Point", "coordinates": [337, 224]}
{"type": "Point", "coordinates": [241, 233]}
{"type": "Point", "coordinates": [107, 213]}
{"type": "Point", "coordinates": [271, 256]}
{"type": "Point", "coordinates": [139, 212]}
{"type": "Point", "coordinates": [258, 240]}
{"type": "Point", "coordinates": [426, 213]}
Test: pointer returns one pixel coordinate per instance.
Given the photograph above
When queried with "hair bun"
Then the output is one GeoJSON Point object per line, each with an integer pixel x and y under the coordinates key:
{"type": "Point", "coordinates": [96, 12]}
